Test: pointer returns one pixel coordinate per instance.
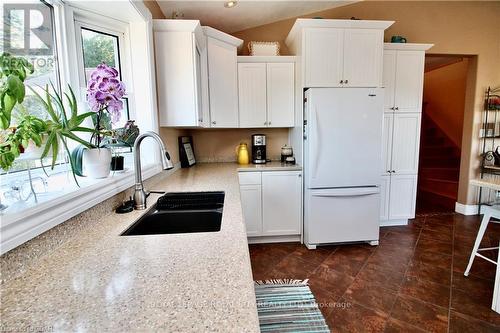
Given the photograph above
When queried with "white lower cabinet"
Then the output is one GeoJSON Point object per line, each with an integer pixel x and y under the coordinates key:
{"type": "Point", "coordinates": [274, 206]}
{"type": "Point", "coordinates": [398, 197]}
{"type": "Point", "coordinates": [251, 199]}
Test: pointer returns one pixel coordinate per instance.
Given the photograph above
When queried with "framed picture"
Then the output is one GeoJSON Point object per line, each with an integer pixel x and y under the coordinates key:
{"type": "Point", "coordinates": [186, 151]}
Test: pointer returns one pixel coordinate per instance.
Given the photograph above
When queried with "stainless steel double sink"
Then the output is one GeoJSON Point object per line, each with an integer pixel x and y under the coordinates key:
{"type": "Point", "coordinates": [181, 212]}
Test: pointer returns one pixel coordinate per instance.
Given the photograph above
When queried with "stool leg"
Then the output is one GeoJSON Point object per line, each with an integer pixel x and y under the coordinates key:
{"type": "Point", "coordinates": [479, 238]}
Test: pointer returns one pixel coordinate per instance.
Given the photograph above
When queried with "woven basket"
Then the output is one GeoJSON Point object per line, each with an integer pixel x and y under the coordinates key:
{"type": "Point", "coordinates": [264, 48]}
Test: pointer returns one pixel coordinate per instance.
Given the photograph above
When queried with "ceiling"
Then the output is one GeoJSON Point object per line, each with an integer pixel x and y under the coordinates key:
{"type": "Point", "coordinates": [433, 62]}
{"type": "Point", "coordinates": [247, 13]}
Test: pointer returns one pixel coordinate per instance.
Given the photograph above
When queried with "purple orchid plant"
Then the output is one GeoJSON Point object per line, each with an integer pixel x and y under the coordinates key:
{"type": "Point", "coordinates": [104, 94]}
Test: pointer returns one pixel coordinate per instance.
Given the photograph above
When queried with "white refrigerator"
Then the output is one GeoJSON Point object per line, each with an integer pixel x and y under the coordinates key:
{"type": "Point", "coordinates": [343, 162]}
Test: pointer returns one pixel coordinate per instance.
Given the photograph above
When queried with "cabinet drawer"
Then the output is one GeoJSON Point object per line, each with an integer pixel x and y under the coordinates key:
{"type": "Point", "coordinates": [249, 178]}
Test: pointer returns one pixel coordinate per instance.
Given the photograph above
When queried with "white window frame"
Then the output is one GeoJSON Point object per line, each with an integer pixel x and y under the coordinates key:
{"type": "Point", "coordinates": [23, 224]}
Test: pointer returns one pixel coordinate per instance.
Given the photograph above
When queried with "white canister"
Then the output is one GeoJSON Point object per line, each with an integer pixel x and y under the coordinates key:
{"type": "Point", "coordinates": [96, 162]}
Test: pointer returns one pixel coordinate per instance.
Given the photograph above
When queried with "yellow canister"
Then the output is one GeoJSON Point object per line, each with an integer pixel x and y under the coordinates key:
{"type": "Point", "coordinates": [243, 155]}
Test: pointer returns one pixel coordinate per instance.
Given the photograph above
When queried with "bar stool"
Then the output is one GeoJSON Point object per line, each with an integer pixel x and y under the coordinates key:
{"type": "Point", "coordinates": [489, 212]}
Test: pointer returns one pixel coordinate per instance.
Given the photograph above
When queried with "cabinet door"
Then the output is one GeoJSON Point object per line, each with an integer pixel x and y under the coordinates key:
{"type": "Point", "coordinates": [385, 190]}
{"type": "Point", "coordinates": [389, 79]}
{"type": "Point", "coordinates": [280, 95]}
{"type": "Point", "coordinates": [252, 94]}
{"type": "Point", "coordinates": [251, 203]}
{"type": "Point", "coordinates": [409, 81]}
{"type": "Point", "coordinates": [176, 78]}
{"type": "Point", "coordinates": [403, 196]}
{"type": "Point", "coordinates": [363, 56]}
{"type": "Point", "coordinates": [323, 57]}
{"type": "Point", "coordinates": [281, 203]}
{"type": "Point", "coordinates": [223, 84]}
{"type": "Point", "coordinates": [387, 131]}
{"type": "Point", "coordinates": [405, 143]}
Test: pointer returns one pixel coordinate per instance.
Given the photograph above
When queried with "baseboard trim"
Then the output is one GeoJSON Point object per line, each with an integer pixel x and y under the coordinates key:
{"type": "Point", "coordinates": [466, 209]}
{"type": "Point", "coordinates": [273, 239]}
{"type": "Point", "coordinates": [393, 223]}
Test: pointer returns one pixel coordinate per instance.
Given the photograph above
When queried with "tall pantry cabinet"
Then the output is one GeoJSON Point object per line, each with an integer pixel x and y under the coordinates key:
{"type": "Point", "coordinates": [403, 73]}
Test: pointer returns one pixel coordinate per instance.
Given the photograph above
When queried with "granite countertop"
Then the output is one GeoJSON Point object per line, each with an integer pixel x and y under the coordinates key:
{"type": "Point", "coordinates": [269, 166]}
{"type": "Point", "coordinates": [100, 281]}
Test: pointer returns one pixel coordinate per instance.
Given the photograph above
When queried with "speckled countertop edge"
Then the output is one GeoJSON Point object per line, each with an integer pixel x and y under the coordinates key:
{"type": "Point", "coordinates": [184, 282]}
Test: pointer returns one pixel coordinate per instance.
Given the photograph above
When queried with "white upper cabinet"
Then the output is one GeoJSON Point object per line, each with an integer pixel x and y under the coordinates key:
{"type": "Point", "coordinates": [324, 56]}
{"type": "Point", "coordinates": [222, 78]}
{"type": "Point", "coordinates": [280, 94]}
{"type": "Point", "coordinates": [179, 51]}
{"type": "Point", "coordinates": [252, 94]}
{"type": "Point", "coordinates": [389, 79]}
{"type": "Point", "coordinates": [403, 76]}
{"type": "Point", "coordinates": [363, 54]}
{"type": "Point", "coordinates": [409, 81]}
{"type": "Point", "coordinates": [266, 92]}
{"type": "Point", "coordinates": [339, 53]}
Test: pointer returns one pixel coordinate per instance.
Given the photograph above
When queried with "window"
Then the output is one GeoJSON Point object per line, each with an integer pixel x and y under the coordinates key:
{"type": "Point", "coordinates": [100, 45]}
{"type": "Point", "coordinates": [40, 52]}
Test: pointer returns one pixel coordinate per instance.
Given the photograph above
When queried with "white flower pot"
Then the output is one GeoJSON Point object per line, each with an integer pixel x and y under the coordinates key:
{"type": "Point", "coordinates": [96, 162]}
{"type": "Point", "coordinates": [32, 152]}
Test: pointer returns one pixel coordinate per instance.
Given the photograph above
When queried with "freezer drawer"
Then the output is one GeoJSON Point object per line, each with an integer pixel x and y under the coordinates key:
{"type": "Point", "coordinates": [342, 215]}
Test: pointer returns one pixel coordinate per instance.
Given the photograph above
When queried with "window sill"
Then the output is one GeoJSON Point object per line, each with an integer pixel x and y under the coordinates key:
{"type": "Point", "coordinates": [24, 221]}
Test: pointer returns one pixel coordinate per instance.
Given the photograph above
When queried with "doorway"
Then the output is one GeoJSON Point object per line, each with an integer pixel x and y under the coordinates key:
{"type": "Point", "coordinates": [445, 81]}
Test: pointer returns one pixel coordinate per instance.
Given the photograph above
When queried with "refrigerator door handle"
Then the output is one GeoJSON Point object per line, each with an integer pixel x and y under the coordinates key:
{"type": "Point", "coordinates": [346, 192]}
{"type": "Point", "coordinates": [317, 147]}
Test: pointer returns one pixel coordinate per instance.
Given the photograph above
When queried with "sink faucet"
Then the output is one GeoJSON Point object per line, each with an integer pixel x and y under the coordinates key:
{"type": "Point", "coordinates": [139, 194]}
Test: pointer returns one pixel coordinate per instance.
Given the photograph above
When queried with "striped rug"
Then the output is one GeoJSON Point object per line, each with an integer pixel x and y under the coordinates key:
{"type": "Point", "coordinates": [288, 306]}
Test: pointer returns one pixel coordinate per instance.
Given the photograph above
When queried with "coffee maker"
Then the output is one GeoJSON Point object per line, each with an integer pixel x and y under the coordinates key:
{"type": "Point", "coordinates": [258, 149]}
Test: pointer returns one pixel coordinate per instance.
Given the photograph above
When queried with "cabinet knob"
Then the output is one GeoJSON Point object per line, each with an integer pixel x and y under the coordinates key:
{"type": "Point", "coordinates": [214, 122]}
{"type": "Point", "coordinates": [396, 108]}
{"type": "Point", "coordinates": [393, 171]}
{"type": "Point", "coordinates": [346, 81]}
{"type": "Point", "coordinates": [389, 171]}
{"type": "Point", "coordinates": [341, 81]}
{"type": "Point", "coordinates": [393, 108]}
{"type": "Point", "coordinates": [299, 175]}
{"type": "Point", "coordinates": [265, 123]}
{"type": "Point", "coordinates": [269, 123]}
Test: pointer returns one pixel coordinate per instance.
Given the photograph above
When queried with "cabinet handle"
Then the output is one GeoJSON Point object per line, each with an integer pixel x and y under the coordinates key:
{"type": "Point", "coordinates": [346, 81]}
{"type": "Point", "coordinates": [214, 122]}
{"type": "Point", "coordinates": [341, 81]}
{"type": "Point", "coordinates": [396, 108]}
{"type": "Point", "coordinates": [393, 108]}
{"type": "Point", "coordinates": [389, 171]}
{"type": "Point", "coordinates": [393, 171]}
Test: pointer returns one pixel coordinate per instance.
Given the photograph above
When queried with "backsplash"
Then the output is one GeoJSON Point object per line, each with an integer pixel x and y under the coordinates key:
{"type": "Point", "coordinates": [219, 145]}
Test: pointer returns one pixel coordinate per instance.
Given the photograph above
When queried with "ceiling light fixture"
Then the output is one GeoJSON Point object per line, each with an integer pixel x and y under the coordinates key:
{"type": "Point", "coordinates": [230, 4]}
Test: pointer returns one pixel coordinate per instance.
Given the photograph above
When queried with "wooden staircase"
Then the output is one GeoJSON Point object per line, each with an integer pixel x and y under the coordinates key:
{"type": "Point", "coordinates": [439, 169]}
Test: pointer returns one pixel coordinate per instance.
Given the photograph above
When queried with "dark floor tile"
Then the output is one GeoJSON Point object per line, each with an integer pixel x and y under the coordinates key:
{"type": "Point", "coordinates": [476, 306]}
{"type": "Point", "coordinates": [356, 318]}
{"type": "Point", "coordinates": [446, 220]}
{"type": "Point", "coordinates": [431, 273]}
{"type": "Point", "coordinates": [330, 280]}
{"type": "Point", "coordinates": [262, 264]}
{"type": "Point", "coordinates": [371, 295]}
{"type": "Point", "coordinates": [433, 245]}
{"type": "Point", "coordinates": [317, 256]}
{"type": "Point", "coordinates": [396, 326]}
{"type": "Point", "coordinates": [398, 238]}
{"type": "Point", "coordinates": [325, 299]}
{"type": "Point", "coordinates": [349, 259]}
{"type": "Point", "coordinates": [390, 261]}
{"type": "Point", "coordinates": [426, 291]}
{"type": "Point", "coordinates": [278, 250]}
{"type": "Point", "coordinates": [382, 276]}
{"type": "Point", "coordinates": [460, 323]}
{"type": "Point", "coordinates": [480, 268]}
{"type": "Point", "coordinates": [437, 235]}
{"type": "Point", "coordinates": [292, 267]}
{"type": "Point", "coordinates": [473, 284]}
{"type": "Point", "coordinates": [424, 315]}
{"type": "Point", "coordinates": [432, 258]}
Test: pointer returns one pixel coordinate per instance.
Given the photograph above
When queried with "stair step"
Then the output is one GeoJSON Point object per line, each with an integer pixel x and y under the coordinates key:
{"type": "Point", "coordinates": [440, 173]}
{"type": "Point", "coordinates": [434, 199]}
{"type": "Point", "coordinates": [430, 151]}
{"type": "Point", "coordinates": [437, 192]}
{"type": "Point", "coordinates": [440, 161]}
{"type": "Point", "coordinates": [441, 186]}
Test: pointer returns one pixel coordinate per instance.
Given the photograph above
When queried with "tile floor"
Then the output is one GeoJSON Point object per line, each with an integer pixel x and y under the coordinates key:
{"type": "Point", "coordinates": [412, 282]}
